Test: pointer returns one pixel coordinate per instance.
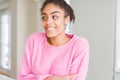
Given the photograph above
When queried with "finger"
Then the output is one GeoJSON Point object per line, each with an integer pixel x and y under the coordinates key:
{"type": "Point", "coordinates": [73, 76]}
{"type": "Point", "coordinates": [66, 78]}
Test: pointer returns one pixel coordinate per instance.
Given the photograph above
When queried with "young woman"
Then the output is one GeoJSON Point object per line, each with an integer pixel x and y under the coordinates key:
{"type": "Point", "coordinates": [53, 54]}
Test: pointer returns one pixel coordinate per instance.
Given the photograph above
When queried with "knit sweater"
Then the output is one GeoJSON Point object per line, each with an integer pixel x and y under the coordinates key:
{"type": "Point", "coordinates": [41, 60]}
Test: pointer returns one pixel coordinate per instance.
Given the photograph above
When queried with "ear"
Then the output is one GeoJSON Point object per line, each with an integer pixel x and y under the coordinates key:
{"type": "Point", "coordinates": [67, 19]}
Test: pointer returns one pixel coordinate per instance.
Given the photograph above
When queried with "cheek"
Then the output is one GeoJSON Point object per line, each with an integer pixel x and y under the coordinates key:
{"type": "Point", "coordinates": [61, 27]}
{"type": "Point", "coordinates": [43, 24]}
{"type": "Point", "coordinates": [61, 22]}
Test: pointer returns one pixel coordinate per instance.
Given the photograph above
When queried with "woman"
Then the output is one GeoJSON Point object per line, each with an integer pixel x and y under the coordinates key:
{"type": "Point", "coordinates": [55, 55]}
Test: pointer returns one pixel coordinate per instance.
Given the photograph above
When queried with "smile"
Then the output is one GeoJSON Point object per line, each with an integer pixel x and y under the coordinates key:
{"type": "Point", "coordinates": [51, 28]}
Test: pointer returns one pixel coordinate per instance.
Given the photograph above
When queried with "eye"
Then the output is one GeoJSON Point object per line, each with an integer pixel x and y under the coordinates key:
{"type": "Point", "coordinates": [44, 18]}
{"type": "Point", "coordinates": [54, 17]}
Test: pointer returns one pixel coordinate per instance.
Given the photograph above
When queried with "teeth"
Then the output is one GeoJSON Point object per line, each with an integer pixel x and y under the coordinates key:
{"type": "Point", "coordinates": [50, 28]}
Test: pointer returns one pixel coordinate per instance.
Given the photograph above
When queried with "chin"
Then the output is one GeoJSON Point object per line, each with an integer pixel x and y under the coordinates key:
{"type": "Point", "coordinates": [51, 35]}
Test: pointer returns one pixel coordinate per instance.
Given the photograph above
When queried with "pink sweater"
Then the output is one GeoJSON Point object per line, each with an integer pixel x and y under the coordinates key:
{"type": "Point", "coordinates": [41, 60]}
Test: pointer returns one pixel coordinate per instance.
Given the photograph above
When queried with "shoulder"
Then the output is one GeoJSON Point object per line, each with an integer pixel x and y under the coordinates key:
{"type": "Point", "coordinates": [81, 42]}
{"type": "Point", "coordinates": [37, 36]}
{"type": "Point", "coordinates": [81, 46]}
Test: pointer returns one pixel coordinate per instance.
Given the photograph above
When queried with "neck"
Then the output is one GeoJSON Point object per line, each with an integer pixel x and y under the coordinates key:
{"type": "Point", "coordinates": [57, 41]}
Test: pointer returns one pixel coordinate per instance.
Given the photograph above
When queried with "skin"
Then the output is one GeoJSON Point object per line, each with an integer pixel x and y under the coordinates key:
{"type": "Point", "coordinates": [54, 23]}
{"type": "Point", "coordinates": [69, 77]}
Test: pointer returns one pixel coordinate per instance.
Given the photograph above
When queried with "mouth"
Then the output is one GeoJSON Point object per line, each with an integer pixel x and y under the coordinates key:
{"type": "Point", "coordinates": [50, 28]}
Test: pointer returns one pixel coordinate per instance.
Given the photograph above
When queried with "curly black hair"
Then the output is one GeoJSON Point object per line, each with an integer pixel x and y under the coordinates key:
{"type": "Point", "coordinates": [63, 5]}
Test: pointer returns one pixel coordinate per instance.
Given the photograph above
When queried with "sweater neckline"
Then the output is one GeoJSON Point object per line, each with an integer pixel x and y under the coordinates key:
{"type": "Point", "coordinates": [64, 45]}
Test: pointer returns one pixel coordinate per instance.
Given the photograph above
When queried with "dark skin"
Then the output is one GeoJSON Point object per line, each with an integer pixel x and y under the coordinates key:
{"type": "Point", "coordinates": [54, 24]}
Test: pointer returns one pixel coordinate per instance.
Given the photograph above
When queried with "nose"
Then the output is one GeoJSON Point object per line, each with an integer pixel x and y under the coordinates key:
{"type": "Point", "coordinates": [49, 21]}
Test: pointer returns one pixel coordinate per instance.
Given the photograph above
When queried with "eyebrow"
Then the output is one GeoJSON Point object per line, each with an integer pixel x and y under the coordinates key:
{"type": "Point", "coordinates": [51, 12]}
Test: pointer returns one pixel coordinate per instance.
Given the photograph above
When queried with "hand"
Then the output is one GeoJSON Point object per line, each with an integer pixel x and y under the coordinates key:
{"type": "Point", "coordinates": [69, 77]}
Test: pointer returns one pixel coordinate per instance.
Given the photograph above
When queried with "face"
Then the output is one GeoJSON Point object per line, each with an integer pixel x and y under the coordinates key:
{"type": "Point", "coordinates": [54, 21]}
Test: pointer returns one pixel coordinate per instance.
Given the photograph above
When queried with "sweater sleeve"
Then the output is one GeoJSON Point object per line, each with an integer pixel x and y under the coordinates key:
{"type": "Point", "coordinates": [80, 60]}
{"type": "Point", "coordinates": [25, 72]}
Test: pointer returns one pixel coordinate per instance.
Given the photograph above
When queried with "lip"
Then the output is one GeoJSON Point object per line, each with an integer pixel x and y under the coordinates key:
{"type": "Point", "coordinates": [50, 28]}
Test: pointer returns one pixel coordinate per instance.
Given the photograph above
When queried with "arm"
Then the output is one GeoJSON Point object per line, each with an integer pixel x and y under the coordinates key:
{"type": "Point", "coordinates": [25, 72]}
{"type": "Point", "coordinates": [69, 77]}
{"type": "Point", "coordinates": [80, 61]}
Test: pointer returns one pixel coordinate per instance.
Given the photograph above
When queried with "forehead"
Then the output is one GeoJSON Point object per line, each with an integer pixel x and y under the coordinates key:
{"type": "Point", "coordinates": [49, 8]}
